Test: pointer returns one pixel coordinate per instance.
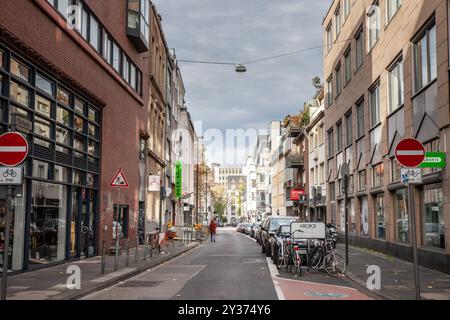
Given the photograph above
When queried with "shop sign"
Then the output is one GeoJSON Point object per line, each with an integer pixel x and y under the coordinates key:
{"type": "Point", "coordinates": [178, 180]}
{"type": "Point", "coordinates": [11, 176]}
{"type": "Point", "coordinates": [434, 160]}
{"type": "Point", "coordinates": [296, 194]}
{"type": "Point", "coordinates": [154, 183]}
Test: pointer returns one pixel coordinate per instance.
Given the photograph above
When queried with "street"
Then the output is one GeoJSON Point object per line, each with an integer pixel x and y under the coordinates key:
{"type": "Point", "coordinates": [233, 268]}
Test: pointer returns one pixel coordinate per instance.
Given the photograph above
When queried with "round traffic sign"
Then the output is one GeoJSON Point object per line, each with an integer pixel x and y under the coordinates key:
{"type": "Point", "coordinates": [410, 153]}
{"type": "Point", "coordinates": [13, 149]}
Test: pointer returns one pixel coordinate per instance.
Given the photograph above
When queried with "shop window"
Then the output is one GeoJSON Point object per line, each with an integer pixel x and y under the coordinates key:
{"type": "Point", "coordinates": [45, 85]}
{"type": "Point", "coordinates": [62, 136]}
{"type": "Point", "coordinates": [63, 97]}
{"type": "Point", "coordinates": [63, 116]}
{"type": "Point", "coordinates": [19, 94]}
{"type": "Point", "coordinates": [380, 217]}
{"type": "Point", "coordinates": [364, 218]}
{"type": "Point", "coordinates": [378, 175]}
{"type": "Point", "coordinates": [43, 106]}
{"type": "Point", "coordinates": [402, 216]}
{"type": "Point", "coordinates": [61, 174]}
{"type": "Point", "coordinates": [48, 223]}
{"type": "Point", "coordinates": [433, 218]}
{"type": "Point", "coordinates": [120, 221]}
{"type": "Point", "coordinates": [42, 127]}
{"type": "Point", "coordinates": [20, 70]}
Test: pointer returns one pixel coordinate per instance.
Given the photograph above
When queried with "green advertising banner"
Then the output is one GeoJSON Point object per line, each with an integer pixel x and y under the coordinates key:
{"type": "Point", "coordinates": [434, 160]}
{"type": "Point", "coordinates": [178, 179]}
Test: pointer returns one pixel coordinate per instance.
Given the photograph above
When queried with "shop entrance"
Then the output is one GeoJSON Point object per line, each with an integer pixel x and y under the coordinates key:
{"type": "Point", "coordinates": [82, 230]}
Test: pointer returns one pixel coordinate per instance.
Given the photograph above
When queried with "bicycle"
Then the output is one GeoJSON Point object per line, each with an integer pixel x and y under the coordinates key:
{"type": "Point", "coordinates": [154, 242]}
{"type": "Point", "coordinates": [324, 257]}
{"type": "Point", "coordinates": [168, 243]}
{"type": "Point", "coordinates": [289, 255]}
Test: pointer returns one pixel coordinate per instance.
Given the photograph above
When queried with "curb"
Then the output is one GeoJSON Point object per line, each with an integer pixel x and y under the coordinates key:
{"type": "Point", "coordinates": [361, 283]}
{"type": "Point", "coordinates": [124, 277]}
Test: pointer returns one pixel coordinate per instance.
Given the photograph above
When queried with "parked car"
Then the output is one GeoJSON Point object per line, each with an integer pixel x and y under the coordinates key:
{"type": "Point", "coordinates": [240, 227]}
{"type": "Point", "coordinates": [269, 229]}
{"type": "Point", "coordinates": [248, 229]}
{"type": "Point", "coordinates": [255, 228]}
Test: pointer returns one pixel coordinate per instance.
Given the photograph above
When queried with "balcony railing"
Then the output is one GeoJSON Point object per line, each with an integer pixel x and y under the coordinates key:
{"type": "Point", "coordinates": [295, 160]}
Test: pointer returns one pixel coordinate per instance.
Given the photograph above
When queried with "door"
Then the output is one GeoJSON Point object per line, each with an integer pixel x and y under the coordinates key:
{"type": "Point", "coordinates": [82, 224]}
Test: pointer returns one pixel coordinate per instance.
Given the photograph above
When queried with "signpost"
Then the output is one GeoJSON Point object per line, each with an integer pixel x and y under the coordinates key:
{"type": "Point", "coordinates": [13, 151]}
{"type": "Point", "coordinates": [434, 160]}
{"type": "Point", "coordinates": [410, 153]}
{"type": "Point", "coordinates": [119, 181]}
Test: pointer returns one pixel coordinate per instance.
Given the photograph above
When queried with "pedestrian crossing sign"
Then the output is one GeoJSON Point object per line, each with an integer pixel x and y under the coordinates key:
{"type": "Point", "coordinates": [119, 180]}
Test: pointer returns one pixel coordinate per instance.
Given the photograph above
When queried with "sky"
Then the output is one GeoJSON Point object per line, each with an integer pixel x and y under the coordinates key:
{"type": "Point", "coordinates": [238, 31]}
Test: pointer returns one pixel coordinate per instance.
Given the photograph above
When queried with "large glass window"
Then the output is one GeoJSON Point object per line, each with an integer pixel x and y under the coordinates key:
{"type": "Point", "coordinates": [120, 222]}
{"type": "Point", "coordinates": [425, 66]}
{"type": "Point", "coordinates": [375, 116]}
{"type": "Point", "coordinates": [48, 223]}
{"type": "Point", "coordinates": [43, 106]}
{"type": "Point", "coordinates": [433, 217]}
{"type": "Point", "coordinates": [42, 127]}
{"type": "Point", "coordinates": [402, 216]}
{"type": "Point", "coordinates": [20, 70]}
{"type": "Point", "coordinates": [380, 218]}
{"type": "Point", "coordinates": [19, 94]}
{"type": "Point", "coordinates": [45, 85]}
{"type": "Point", "coordinates": [396, 86]}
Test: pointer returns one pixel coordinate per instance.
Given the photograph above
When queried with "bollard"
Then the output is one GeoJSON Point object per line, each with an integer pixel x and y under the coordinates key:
{"type": "Point", "coordinates": [103, 258]}
{"type": "Point", "coordinates": [128, 253]}
{"type": "Point", "coordinates": [136, 256]}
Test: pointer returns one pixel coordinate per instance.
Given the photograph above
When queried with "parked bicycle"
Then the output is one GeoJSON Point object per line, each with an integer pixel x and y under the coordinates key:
{"type": "Point", "coordinates": [323, 256]}
{"type": "Point", "coordinates": [153, 242]}
{"type": "Point", "coordinates": [168, 243]}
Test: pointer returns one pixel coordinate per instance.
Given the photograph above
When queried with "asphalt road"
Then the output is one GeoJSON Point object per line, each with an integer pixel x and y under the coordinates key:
{"type": "Point", "coordinates": [233, 268]}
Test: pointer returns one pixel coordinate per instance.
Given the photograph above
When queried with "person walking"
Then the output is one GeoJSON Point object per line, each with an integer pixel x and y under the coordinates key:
{"type": "Point", "coordinates": [212, 230]}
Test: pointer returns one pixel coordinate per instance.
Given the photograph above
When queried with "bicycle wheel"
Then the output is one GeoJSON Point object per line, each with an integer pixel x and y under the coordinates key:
{"type": "Point", "coordinates": [334, 264]}
{"type": "Point", "coordinates": [281, 260]}
{"type": "Point", "coordinates": [298, 263]}
{"type": "Point", "coordinates": [168, 246]}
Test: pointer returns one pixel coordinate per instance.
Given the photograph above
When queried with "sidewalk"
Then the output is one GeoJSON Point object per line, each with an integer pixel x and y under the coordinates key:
{"type": "Point", "coordinates": [397, 276]}
{"type": "Point", "coordinates": [50, 283]}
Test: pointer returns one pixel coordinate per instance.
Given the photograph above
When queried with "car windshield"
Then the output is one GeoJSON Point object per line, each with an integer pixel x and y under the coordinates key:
{"type": "Point", "coordinates": [285, 229]}
{"type": "Point", "coordinates": [275, 223]}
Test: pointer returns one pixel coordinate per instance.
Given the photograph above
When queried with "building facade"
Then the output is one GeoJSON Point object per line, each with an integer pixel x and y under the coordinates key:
{"type": "Point", "coordinates": [386, 69]}
{"type": "Point", "coordinates": [69, 79]}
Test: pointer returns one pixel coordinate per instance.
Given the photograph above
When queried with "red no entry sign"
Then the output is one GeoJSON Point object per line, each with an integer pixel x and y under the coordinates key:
{"type": "Point", "coordinates": [410, 153]}
{"type": "Point", "coordinates": [13, 149]}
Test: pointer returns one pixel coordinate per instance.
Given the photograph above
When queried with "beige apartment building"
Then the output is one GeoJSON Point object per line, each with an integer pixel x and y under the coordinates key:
{"type": "Point", "coordinates": [386, 66]}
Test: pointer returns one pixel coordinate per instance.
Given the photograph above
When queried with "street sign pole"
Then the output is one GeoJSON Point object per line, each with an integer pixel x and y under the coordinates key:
{"type": "Point", "coordinates": [412, 214]}
{"type": "Point", "coordinates": [6, 243]}
{"type": "Point", "coordinates": [116, 257]}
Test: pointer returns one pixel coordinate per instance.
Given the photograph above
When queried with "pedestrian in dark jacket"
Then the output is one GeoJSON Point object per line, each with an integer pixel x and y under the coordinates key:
{"type": "Point", "coordinates": [212, 230]}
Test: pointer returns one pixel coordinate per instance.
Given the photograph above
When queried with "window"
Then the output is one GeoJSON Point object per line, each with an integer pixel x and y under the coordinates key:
{"type": "Point", "coordinates": [41, 169]}
{"type": "Point", "coordinates": [348, 65]}
{"type": "Point", "coordinates": [133, 77]}
{"type": "Point", "coordinates": [19, 94]}
{"type": "Point", "coordinates": [359, 48]}
{"type": "Point", "coordinates": [94, 33]}
{"type": "Point", "coordinates": [138, 25]}
{"type": "Point", "coordinates": [375, 106]}
{"type": "Point", "coordinates": [93, 131]}
{"type": "Point", "coordinates": [93, 115]}
{"type": "Point", "coordinates": [338, 80]}
{"type": "Point", "coordinates": [322, 173]}
{"type": "Point", "coordinates": [330, 143]}
{"type": "Point", "coordinates": [339, 137]}
{"type": "Point", "coordinates": [63, 116]}
{"type": "Point", "coordinates": [337, 22]}
{"type": "Point", "coordinates": [433, 217]}
{"type": "Point", "coordinates": [78, 143]}
{"type": "Point", "coordinates": [43, 106]}
{"type": "Point", "coordinates": [330, 37]}
{"type": "Point", "coordinates": [373, 25]}
{"type": "Point", "coordinates": [395, 170]}
{"type": "Point", "coordinates": [401, 216]}
{"type": "Point", "coordinates": [45, 85]}
{"type": "Point", "coordinates": [63, 7]}
{"type": "Point", "coordinates": [392, 8]}
{"type": "Point", "coordinates": [42, 127]}
{"type": "Point", "coordinates": [380, 218]}
{"type": "Point", "coordinates": [1, 59]}
{"type": "Point", "coordinates": [320, 135]}
{"type": "Point", "coordinates": [78, 177]}
{"type": "Point", "coordinates": [78, 124]}
{"type": "Point", "coordinates": [84, 23]}
{"type": "Point", "coordinates": [360, 115]}
{"type": "Point", "coordinates": [362, 183]}
{"type": "Point", "coordinates": [425, 66]}
{"type": "Point", "coordinates": [116, 57]}
{"type": "Point", "coordinates": [364, 217]}
{"type": "Point", "coordinates": [107, 48]}
{"type": "Point", "coordinates": [120, 224]}
{"type": "Point", "coordinates": [63, 97]}
{"type": "Point", "coordinates": [126, 69]}
{"type": "Point", "coordinates": [79, 106]}
{"type": "Point", "coordinates": [349, 129]}
{"type": "Point", "coordinates": [62, 136]}
{"type": "Point", "coordinates": [378, 175]}
{"type": "Point", "coordinates": [396, 86]}
{"type": "Point", "coordinates": [142, 148]}
{"type": "Point", "coordinates": [346, 8]}
{"type": "Point", "coordinates": [1, 84]}
{"type": "Point", "coordinates": [92, 148]}
{"type": "Point", "coordinates": [61, 174]}
{"type": "Point", "coordinates": [20, 70]}
{"type": "Point", "coordinates": [330, 91]}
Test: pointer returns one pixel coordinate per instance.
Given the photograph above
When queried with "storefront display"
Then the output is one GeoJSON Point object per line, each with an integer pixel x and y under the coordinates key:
{"type": "Point", "coordinates": [402, 216]}
{"type": "Point", "coordinates": [364, 221]}
{"type": "Point", "coordinates": [433, 217]}
{"type": "Point", "coordinates": [380, 218]}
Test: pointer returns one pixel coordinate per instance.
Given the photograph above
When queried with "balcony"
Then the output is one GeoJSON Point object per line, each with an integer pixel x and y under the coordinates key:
{"type": "Point", "coordinates": [138, 24]}
{"type": "Point", "coordinates": [293, 126]}
{"type": "Point", "coordinates": [320, 202]}
{"type": "Point", "coordinates": [295, 161]}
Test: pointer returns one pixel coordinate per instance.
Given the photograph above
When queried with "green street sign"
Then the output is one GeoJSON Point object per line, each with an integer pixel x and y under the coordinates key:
{"type": "Point", "coordinates": [434, 160]}
{"type": "Point", "coordinates": [178, 180]}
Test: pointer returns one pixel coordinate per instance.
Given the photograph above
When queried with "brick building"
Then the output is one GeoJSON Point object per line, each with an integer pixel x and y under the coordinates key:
{"type": "Point", "coordinates": [76, 91]}
{"type": "Point", "coordinates": [386, 69]}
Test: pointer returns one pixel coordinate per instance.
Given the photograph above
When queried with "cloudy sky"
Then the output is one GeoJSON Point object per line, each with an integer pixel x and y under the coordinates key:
{"type": "Point", "coordinates": [240, 31]}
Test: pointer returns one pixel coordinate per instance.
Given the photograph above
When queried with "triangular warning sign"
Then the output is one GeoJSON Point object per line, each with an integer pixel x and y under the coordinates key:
{"type": "Point", "coordinates": [119, 180]}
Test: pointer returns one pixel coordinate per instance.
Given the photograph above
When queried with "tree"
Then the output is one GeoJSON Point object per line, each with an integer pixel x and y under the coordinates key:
{"type": "Point", "coordinates": [219, 200]}
{"type": "Point", "coordinates": [317, 83]}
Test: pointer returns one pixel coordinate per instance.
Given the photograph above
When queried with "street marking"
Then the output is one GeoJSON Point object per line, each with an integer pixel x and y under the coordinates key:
{"type": "Point", "coordinates": [274, 275]}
